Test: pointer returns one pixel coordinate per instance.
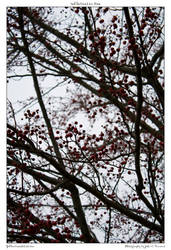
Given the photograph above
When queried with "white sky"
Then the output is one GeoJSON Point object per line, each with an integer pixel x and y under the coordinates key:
{"type": "Point", "coordinates": [3, 6]}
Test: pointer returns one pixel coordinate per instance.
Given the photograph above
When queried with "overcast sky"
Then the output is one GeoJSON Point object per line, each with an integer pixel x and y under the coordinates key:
{"type": "Point", "coordinates": [27, 90]}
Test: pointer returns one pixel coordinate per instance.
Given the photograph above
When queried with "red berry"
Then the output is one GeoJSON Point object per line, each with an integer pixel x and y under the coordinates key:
{"type": "Point", "coordinates": [101, 21]}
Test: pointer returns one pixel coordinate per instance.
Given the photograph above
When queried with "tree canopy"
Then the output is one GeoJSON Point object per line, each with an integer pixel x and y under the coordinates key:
{"type": "Point", "coordinates": [99, 179]}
